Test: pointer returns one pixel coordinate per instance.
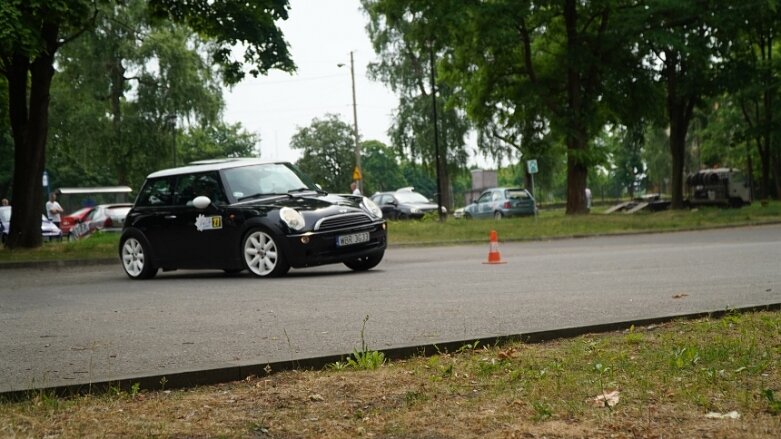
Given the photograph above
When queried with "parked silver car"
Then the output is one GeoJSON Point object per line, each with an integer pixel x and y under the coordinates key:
{"type": "Point", "coordinates": [49, 230]}
{"type": "Point", "coordinates": [502, 202]}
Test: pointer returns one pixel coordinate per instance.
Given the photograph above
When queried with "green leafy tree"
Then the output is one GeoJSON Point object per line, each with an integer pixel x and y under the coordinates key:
{"type": "Point", "coordinates": [533, 67]}
{"type": "Point", "coordinates": [684, 44]}
{"type": "Point", "coordinates": [408, 50]}
{"type": "Point", "coordinates": [128, 73]}
{"type": "Point", "coordinates": [754, 84]}
{"type": "Point", "coordinates": [381, 167]}
{"type": "Point", "coordinates": [328, 152]}
{"type": "Point", "coordinates": [217, 141]}
{"type": "Point", "coordinates": [32, 31]}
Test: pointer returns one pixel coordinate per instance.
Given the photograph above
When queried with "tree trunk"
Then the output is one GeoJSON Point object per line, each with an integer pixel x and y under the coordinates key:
{"type": "Point", "coordinates": [677, 152]}
{"type": "Point", "coordinates": [679, 110]}
{"type": "Point", "coordinates": [577, 146]}
{"type": "Point", "coordinates": [576, 177]}
{"type": "Point", "coordinates": [29, 125]}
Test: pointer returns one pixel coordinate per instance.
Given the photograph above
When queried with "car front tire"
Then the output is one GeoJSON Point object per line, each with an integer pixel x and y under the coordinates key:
{"type": "Point", "coordinates": [365, 263]}
{"type": "Point", "coordinates": [136, 259]}
{"type": "Point", "coordinates": [262, 255]}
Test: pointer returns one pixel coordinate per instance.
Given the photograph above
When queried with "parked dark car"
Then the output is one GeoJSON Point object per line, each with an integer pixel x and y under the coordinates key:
{"type": "Point", "coordinates": [103, 218]}
{"type": "Point", "coordinates": [404, 203]}
{"type": "Point", "coordinates": [48, 229]}
{"type": "Point", "coordinates": [237, 214]}
{"type": "Point", "coordinates": [502, 202]}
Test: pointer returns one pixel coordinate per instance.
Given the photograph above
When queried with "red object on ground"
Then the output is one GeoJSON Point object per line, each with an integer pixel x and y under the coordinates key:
{"type": "Point", "coordinates": [494, 257]}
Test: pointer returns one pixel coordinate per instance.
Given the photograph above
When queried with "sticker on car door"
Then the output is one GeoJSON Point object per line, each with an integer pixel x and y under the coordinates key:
{"type": "Point", "coordinates": [203, 222]}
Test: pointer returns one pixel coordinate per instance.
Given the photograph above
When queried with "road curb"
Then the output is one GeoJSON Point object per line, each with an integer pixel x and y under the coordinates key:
{"type": "Point", "coordinates": [185, 378]}
{"type": "Point", "coordinates": [62, 263]}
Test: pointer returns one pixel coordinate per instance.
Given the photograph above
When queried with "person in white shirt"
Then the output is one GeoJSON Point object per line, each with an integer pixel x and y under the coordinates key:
{"type": "Point", "coordinates": [53, 209]}
{"type": "Point", "coordinates": [354, 188]}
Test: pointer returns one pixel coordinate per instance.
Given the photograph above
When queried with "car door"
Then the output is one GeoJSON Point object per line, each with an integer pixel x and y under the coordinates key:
{"type": "Point", "coordinates": [388, 206]}
{"type": "Point", "coordinates": [152, 213]}
{"type": "Point", "coordinates": [484, 205]}
{"type": "Point", "coordinates": [200, 235]}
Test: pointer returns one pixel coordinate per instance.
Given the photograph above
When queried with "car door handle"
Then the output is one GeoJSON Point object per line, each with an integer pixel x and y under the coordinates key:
{"type": "Point", "coordinates": [170, 217]}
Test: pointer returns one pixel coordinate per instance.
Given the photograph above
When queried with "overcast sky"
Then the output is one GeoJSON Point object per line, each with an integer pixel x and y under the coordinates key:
{"type": "Point", "coordinates": [321, 35]}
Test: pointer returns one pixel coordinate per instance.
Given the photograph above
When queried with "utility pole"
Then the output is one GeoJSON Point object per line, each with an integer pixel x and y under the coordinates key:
{"type": "Point", "coordinates": [355, 127]}
{"type": "Point", "coordinates": [436, 134]}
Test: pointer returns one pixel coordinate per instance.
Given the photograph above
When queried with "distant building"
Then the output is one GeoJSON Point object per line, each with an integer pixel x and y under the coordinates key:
{"type": "Point", "coordinates": [482, 179]}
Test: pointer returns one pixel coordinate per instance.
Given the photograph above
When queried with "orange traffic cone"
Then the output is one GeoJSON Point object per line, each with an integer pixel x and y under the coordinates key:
{"type": "Point", "coordinates": [494, 257]}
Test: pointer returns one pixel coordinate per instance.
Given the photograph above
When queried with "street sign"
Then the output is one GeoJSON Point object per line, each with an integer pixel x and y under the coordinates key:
{"type": "Point", "coordinates": [356, 174]}
{"type": "Point", "coordinates": [531, 165]}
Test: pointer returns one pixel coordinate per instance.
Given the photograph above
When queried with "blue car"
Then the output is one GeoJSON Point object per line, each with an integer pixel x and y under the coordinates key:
{"type": "Point", "coordinates": [48, 229]}
{"type": "Point", "coordinates": [501, 202]}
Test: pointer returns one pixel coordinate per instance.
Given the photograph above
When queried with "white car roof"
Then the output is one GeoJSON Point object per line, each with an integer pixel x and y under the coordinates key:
{"type": "Point", "coordinates": [209, 165]}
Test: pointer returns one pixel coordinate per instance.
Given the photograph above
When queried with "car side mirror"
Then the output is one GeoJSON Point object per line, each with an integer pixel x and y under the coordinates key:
{"type": "Point", "coordinates": [201, 202]}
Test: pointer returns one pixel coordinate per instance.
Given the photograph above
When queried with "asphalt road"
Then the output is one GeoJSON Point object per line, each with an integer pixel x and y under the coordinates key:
{"type": "Point", "coordinates": [77, 325]}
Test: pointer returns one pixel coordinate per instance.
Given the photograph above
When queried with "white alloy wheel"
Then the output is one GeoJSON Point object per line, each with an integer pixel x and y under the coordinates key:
{"type": "Point", "coordinates": [262, 256]}
{"type": "Point", "coordinates": [133, 257]}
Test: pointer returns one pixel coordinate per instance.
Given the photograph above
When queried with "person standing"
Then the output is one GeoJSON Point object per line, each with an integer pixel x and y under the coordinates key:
{"type": "Point", "coordinates": [53, 209]}
{"type": "Point", "coordinates": [588, 200]}
{"type": "Point", "coordinates": [354, 188]}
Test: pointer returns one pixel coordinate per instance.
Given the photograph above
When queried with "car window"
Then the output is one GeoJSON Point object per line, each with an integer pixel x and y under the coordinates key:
{"type": "Point", "coordinates": [486, 197]}
{"type": "Point", "coordinates": [155, 193]}
{"type": "Point", "coordinates": [410, 197]}
{"type": "Point", "coordinates": [517, 194]}
{"type": "Point", "coordinates": [190, 186]}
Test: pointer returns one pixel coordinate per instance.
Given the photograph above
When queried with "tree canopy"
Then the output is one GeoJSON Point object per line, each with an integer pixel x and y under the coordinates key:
{"type": "Point", "coordinates": [33, 31]}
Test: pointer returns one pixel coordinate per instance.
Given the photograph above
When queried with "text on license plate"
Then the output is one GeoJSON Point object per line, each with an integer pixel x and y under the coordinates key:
{"type": "Point", "coordinates": [355, 238]}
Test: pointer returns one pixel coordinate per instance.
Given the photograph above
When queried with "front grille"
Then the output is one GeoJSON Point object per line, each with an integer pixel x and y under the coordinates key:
{"type": "Point", "coordinates": [342, 221]}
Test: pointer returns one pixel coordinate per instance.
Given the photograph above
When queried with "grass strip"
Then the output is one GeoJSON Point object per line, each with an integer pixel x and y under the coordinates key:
{"type": "Point", "coordinates": [702, 378]}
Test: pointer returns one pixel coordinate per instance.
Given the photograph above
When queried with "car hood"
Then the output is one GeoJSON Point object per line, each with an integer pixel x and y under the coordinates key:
{"type": "Point", "coordinates": [324, 204]}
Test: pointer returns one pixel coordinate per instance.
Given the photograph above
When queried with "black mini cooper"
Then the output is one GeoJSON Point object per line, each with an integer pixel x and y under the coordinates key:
{"type": "Point", "coordinates": [234, 214]}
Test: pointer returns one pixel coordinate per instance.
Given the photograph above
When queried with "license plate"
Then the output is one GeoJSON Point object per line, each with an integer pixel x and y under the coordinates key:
{"type": "Point", "coordinates": [355, 238]}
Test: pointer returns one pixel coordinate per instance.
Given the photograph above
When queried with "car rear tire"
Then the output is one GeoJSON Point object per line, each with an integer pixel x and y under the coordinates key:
{"type": "Point", "coordinates": [366, 262]}
{"type": "Point", "coordinates": [498, 215]}
{"type": "Point", "coordinates": [136, 259]}
{"type": "Point", "coordinates": [262, 255]}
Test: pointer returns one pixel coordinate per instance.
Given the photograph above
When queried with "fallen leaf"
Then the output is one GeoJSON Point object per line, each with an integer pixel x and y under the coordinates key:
{"type": "Point", "coordinates": [731, 415]}
{"type": "Point", "coordinates": [609, 399]}
{"type": "Point", "coordinates": [316, 397]}
{"type": "Point", "coordinates": [680, 296]}
{"type": "Point", "coordinates": [507, 354]}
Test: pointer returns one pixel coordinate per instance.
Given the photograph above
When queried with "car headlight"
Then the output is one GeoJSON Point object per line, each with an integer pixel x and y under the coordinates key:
{"type": "Point", "coordinates": [292, 218]}
{"type": "Point", "coordinates": [414, 210]}
{"type": "Point", "coordinates": [372, 208]}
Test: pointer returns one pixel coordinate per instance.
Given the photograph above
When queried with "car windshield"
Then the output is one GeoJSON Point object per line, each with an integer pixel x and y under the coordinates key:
{"type": "Point", "coordinates": [411, 197]}
{"type": "Point", "coordinates": [266, 179]}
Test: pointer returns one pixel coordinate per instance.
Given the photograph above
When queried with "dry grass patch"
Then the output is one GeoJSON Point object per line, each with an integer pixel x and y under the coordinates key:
{"type": "Point", "coordinates": [668, 378]}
